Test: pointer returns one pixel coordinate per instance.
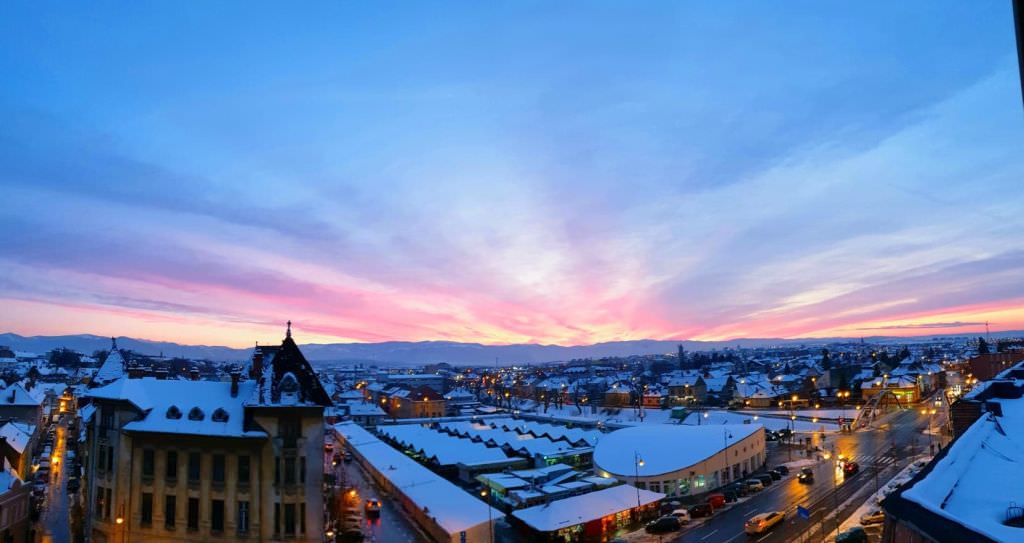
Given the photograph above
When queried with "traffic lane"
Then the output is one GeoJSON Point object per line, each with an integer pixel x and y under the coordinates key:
{"type": "Point", "coordinates": [391, 526]}
{"type": "Point", "coordinates": [727, 525]}
{"type": "Point", "coordinates": [55, 519]}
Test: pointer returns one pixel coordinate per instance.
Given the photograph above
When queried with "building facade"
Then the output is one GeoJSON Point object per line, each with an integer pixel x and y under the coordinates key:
{"type": "Point", "coordinates": [238, 460]}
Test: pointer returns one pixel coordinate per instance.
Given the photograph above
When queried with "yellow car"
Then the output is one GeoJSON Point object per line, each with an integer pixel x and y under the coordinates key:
{"type": "Point", "coordinates": [760, 524]}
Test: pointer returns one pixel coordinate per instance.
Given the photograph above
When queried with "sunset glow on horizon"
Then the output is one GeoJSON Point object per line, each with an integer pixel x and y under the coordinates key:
{"type": "Point", "coordinates": [633, 172]}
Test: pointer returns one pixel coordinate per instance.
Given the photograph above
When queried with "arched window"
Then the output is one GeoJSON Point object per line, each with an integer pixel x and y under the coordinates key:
{"type": "Point", "coordinates": [173, 412]}
{"type": "Point", "coordinates": [196, 414]}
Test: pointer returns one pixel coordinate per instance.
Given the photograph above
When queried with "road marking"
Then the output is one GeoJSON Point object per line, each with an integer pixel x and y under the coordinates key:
{"type": "Point", "coordinates": [751, 510]}
{"type": "Point", "coordinates": [713, 532]}
{"type": "Point", "coordinates": [765, 537]}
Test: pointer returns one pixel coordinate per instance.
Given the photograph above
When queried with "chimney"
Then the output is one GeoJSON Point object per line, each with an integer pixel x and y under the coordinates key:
{"type": "Point", "coordinates": [194, 374]}
{"type": "Point", "coordinates": [256, 369]}
{"type": "Point", "coordinates": [234, 384]}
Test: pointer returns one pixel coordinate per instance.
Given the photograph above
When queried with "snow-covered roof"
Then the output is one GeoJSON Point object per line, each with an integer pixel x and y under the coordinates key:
{"type": "Point", "coordinates": [364, 409]}
{"type": "Point", "coordinates": [584, 508]}
{"type": "Point", "coordinates": [17, 435]}
{"type": "Point", "coordinates": [665, 448]}
{"type": "Point", "coordinates": [183, 407]}
{"type": "Point", "coordinates": [112, 368]}
{"type": "Point", "coordinates": [979, 477]}
{"type": "Point", "coordinates": [17, 395]}
{"type": "Point", "coordinates": [451, 507]}
{"type": "Point", "coordinates": [446, 449]}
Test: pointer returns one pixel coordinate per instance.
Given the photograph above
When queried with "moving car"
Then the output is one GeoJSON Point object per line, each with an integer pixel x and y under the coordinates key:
{"type": "Point", "coordinates": [662, 525]}
{"type": "Point", "coordinates": [849, 468]}
{"type": "Point", "coordinates": [759, 524]}
{"type": "Point", "coordinates": [806, 476]}
{"type": "Point", "coordinates": [372, 508]}
{"type": "Point", "coordinates": [875, 516]}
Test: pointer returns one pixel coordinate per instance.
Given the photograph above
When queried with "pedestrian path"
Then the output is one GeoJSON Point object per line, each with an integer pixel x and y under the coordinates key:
{"type": "Point", "coordinates": [873, 459]}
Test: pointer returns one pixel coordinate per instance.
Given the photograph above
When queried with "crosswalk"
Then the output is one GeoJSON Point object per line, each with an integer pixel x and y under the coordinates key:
{"type": "Point", "coordinates": [873, 459]}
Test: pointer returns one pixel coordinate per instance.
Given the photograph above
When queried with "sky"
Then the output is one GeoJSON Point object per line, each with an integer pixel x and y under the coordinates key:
{"type": "Point", "coordinates": [509, 172]}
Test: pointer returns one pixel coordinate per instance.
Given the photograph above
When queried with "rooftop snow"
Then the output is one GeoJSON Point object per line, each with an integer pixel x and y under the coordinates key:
{"type": "Point", "coordinates": [665, 448]}
{"type": "Point", "coordinates": [584, 508]}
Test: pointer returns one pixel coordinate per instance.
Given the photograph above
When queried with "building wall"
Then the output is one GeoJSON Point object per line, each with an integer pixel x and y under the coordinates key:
{"type": "Point", "coordinates": [746, 455]}
{"type": "Point", "coordinates": [15, 523]}
{"type": "Point", "coordinates": [267, 492]}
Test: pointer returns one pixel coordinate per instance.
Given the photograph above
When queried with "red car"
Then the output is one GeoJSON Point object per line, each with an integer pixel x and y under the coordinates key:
{"type": "Point", "coordinates": [849, 468]}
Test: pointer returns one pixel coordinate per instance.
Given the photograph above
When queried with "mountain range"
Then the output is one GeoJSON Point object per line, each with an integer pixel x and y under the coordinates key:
{"type": "Point", "coordinates": [427, 352]}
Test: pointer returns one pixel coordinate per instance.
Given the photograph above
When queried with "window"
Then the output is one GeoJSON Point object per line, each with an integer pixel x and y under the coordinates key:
{"type": "Point", "coordinates": [107, 421]}
{"type": "Point", "coordinates": [101, 453]}
{"type": "Point", "coordinates": [110, 459]}
{"type": "Point", "coordinates": [302, 469]}
{"type": "Point", "coordinates": [193, 514]}
{"type": "Point", "coordinates": [302, 518]}
{"type": "Point", "coordinates": [196, 414]}
{"type": "Point", "coordinates": [243, 469]}
{"type": "Point", "coordinates": [289, 519]}
{"type": "Point", "coordinates": [243, 517]}
{"type": "Point", "coordinates": [277, 518]}
{"type": "Point", "coordinates": [173, 412]}
{"type": "Point", "coordinates": [108, 503]}
{"type": "Point", "coordinates": [148, 462]}
{"type": "Point", "coordinates": [171, 469]}
{"type": "Point", "coordinates": [193, 467]}
{"type": "Point", "coordinates": [99, 502]}
{"type": "Point", "coordinates": [217, 515]}
{"type": "Point", "coordinates": [170, 510]}
{"type": "Point", "coordinates": [277, 470]}
{"type": "Point", "coordinates": [147, 509]}
{"type": "Point", "coordinates": [218, 468]}
{"type": "Point", "coordinates": [289, 470]}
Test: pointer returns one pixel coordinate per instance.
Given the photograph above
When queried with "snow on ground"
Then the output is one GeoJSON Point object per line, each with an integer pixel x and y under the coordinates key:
{"type": "Point", "coordinates": [770, 423]}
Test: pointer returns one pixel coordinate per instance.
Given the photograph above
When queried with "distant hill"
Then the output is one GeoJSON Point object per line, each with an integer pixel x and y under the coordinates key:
{"type": "Point", "coordinates": [426, 352]}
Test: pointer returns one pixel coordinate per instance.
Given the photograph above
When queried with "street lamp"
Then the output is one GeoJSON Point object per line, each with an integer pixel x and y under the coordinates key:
{"type": "Point", "coordinates": [637, 464]}
{"type": "Point", "coordinates": [490, 524]}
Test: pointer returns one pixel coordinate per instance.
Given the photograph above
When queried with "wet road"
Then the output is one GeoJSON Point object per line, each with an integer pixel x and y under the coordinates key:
{"type": "Point", "coordinates": [55, 515]}
{"type": "Point", "coordinates": [392, 525]}
{"type": "Point", "coordinates": [897, 437]}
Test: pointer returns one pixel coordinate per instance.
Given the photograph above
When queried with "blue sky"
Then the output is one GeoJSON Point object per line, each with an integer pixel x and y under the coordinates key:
{"type": "Point", "coordinates": [507, 172]}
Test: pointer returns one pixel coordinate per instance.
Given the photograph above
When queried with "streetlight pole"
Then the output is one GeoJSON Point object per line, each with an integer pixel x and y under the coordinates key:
{"type": "Point", "coordinates": [490, 523]}
{"type": "Point", "coordinates": [637, 462]}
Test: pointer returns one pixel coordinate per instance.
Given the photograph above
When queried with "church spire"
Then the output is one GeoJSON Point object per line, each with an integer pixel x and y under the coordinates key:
{"type": "Point", "coordinates": [288, 333]}
{"type": "Point", "coordinates": [113, 343]}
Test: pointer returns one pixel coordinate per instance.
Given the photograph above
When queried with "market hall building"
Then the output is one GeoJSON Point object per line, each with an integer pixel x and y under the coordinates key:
{"type": "Point", "coordinates": [681, 460]}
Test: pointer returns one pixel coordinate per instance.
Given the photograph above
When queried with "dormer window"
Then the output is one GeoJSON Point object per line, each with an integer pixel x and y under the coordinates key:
{"type": "Point", "coordinates": [173, 412]}
{"type": "Point", "coordinates": [196, 414]}
{"type": "Point", "coordinates": [289, 384]}
{"type": "Point", "coordinates": [220, 415]}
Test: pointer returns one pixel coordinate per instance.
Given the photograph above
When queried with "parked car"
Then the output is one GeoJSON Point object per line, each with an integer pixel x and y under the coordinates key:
{"type": "Point", "coordinates": [731, 496]}
{"type": "Point", "coordinates": [74, 485]}
{"type": "Point", "coordinates": [766, 480]}
{"type": "Point", "coordinates": [717, 500]}
{"type": "Point", "coordinates": [739, 488]}
{"type": "Point", "coordinates": [782, 469]}
{"type": "Point", "coordinates": [662, 525]}
{"type": "Point", "coordinates": [850, 468]}
{"type": "Point", "coordinates": [853, 535]}
{"type": "Point", "coordinates": [754, 485]}
{"type": "Point", "coordinates": [682, 514]}
{"type": "Point", "coordinates": [759, 524]}
{"type": "Point", "coordinates": [775, 474]}
{"type": "Point", "coordinates": [702, 510]}
{"type": "Point", "coordinates": [875, 516]}
{"type": "Point", "coordinates": [806, 476]}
